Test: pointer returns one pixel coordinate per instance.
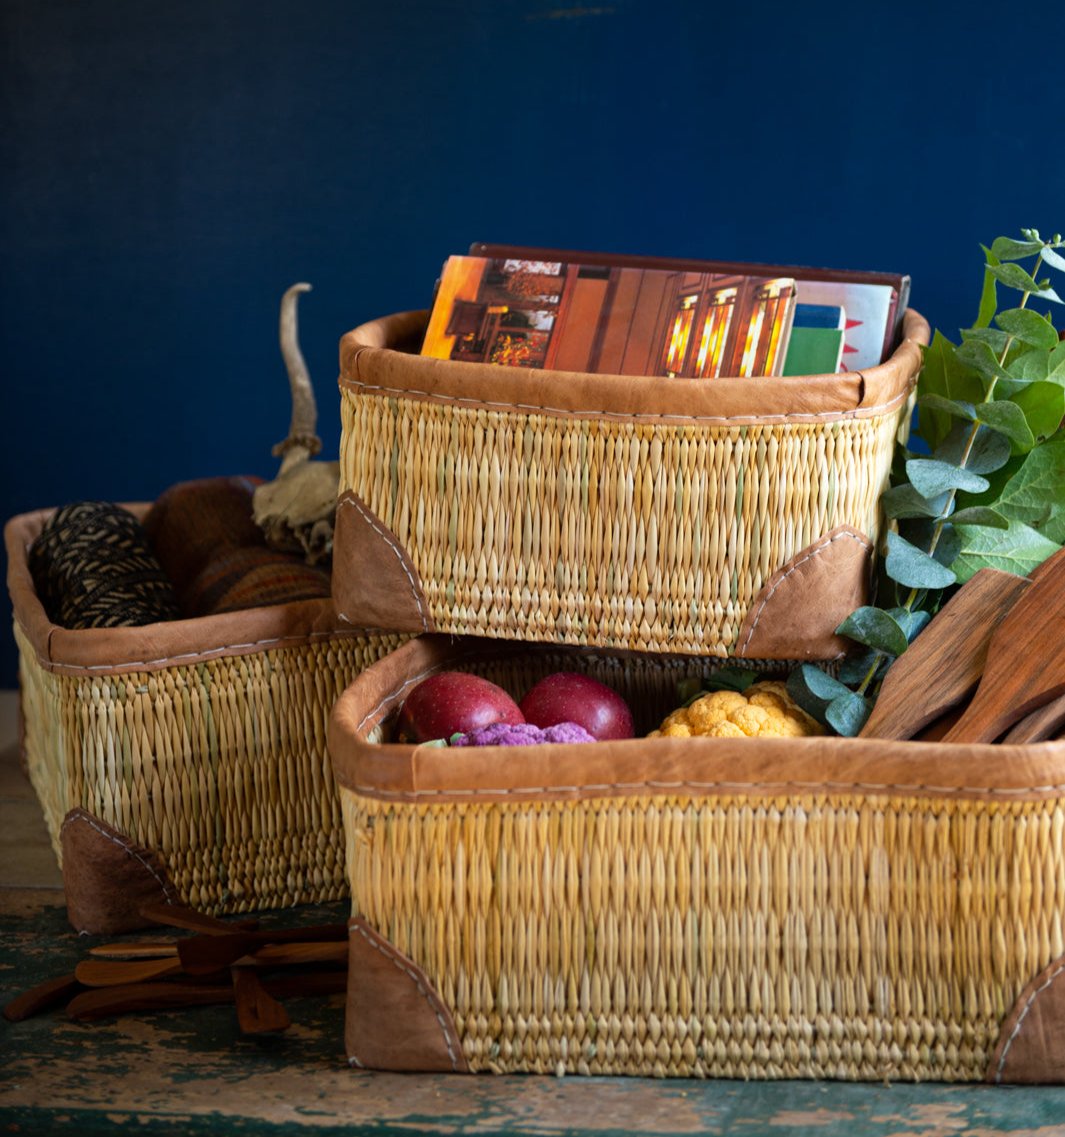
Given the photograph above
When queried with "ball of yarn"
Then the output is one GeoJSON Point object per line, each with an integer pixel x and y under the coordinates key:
{"type": "Point", "coordinates": [93, 567]}
{"type": "Point", "coordinates": [206, 538]}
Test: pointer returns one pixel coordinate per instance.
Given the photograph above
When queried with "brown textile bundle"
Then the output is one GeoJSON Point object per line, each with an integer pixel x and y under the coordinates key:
{"type": "Point", "coordinates": [204, 535]}
{"type": "Point", "coordinates": [93, 567]}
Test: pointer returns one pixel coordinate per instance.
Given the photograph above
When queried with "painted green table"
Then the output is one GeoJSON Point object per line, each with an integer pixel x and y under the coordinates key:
{"type": "Point", "coordinates": [193, 1072]}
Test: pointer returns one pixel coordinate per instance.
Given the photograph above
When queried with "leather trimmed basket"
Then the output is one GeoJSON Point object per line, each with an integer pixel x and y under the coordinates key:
{"type": "Point", "coordinates": [185, 762]}
{"type": "Point", "coordinates": [724, 517]}
{"type": "Point", "coordinates": [742, 908]}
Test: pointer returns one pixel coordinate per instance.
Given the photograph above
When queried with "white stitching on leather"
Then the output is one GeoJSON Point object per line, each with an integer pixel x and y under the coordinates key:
{"type": "Point", "coordinates": [815, 551]}
{"type": "Point", "coordinates": [126, 848]}
{"type": "Point", "coordinates": [390, 540]}
{"type": "Point", "coordinates": [187, 657]}
{"type": "Point", "coordinates": [389, 953]}
{"type": "Point", "coordinates": [1017, 1027]}
{"type": "Point", "coordinates": [636, 787]}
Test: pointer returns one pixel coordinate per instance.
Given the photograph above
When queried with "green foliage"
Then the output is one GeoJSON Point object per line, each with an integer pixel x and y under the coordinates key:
{"type": "Point", "coordinates": [991, 410]}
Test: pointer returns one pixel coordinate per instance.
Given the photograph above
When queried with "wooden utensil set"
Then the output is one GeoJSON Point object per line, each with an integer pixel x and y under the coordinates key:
{"type": "Point", "coordinates": [998, 640]}
{"type": "Point", "coordinates": [226, 963]}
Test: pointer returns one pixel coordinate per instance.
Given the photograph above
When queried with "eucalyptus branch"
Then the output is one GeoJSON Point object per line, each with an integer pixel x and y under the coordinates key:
{"type": "Point", "coordinates": [1014, 521]}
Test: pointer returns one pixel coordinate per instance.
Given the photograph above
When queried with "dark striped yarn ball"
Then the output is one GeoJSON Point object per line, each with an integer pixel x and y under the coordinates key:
{"type": "Point", "coordinates": [93, 567]}
{"type": "Point", "coordinates": [207, 540]}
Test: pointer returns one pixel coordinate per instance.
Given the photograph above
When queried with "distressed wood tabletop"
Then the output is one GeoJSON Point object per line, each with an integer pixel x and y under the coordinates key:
{"type": "Point", "coordinates": [193, 1071]}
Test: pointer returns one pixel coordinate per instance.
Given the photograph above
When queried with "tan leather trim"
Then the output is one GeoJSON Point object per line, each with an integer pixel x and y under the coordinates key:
{"type": "Point", "coordinates": [1031, 1043]}
{"type": "Point", "coordinates": [661, 766]}
{"type": "Point", "coordinates": [107, 877]}
{"type": "Point", "coordinates": [375, 583]}
{"type": "Point", "coordinates": [150, 647]}
{"type": "Point", "coordinates": [796, 612]}
{"type": "Point", "coordinates": [395, 1020]}
{"type": "Point", "coordinates": [369, 363]}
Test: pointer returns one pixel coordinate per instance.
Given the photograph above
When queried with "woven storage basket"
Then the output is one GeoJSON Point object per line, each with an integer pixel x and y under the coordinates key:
{"type": "Point", "coordinates": [726, 517]}
{"type": "Point", "coordinates": [185, 762]}
{"type": "Point", "coordinates": [754, 908]}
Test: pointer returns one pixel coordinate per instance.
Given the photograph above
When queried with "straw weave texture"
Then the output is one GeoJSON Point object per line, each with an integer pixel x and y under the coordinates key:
{"type": "Point", "coordinates": [220, 767]}
{"type": "Point", "coordinates": [818, 935]}
{"type": "Point", "coordinates": [644, 534]}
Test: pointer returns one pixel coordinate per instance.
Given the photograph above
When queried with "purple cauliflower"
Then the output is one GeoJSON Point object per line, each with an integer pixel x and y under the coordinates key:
{"type": "Point", "coordinates": [521, 734]}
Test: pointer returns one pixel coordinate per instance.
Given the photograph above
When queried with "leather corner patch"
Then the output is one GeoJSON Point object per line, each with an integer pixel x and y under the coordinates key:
{"type": "Point", "coordinates": [107, 877]}
{"type": "Point", "coordinates": [394, 1019]}
{"type": "Point", "coordinates": [797, 611]}
{"type": "Point", "coordinates": [375, 585]}
{"type": "Point", "coordinates": [1031, 1043]}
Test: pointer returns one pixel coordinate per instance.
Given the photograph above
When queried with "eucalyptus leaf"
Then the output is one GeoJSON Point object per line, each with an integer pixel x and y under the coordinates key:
{"type": "Point", "coordinates": [980, 515]}
{"type": "Point", "coordinates": [913, 567]}
{"type": "Point", "coordinates": [821, 684]}
{"type": "Point", "coordinates": [1006, 249]}
{"type": "Point", "coordinates": [931, 477]}
{"type": "Point", "coordinates": [1018, 549]}
{"type": "Point", "coordinates": [995, 338]}
{"type": "Point", "coordinates": [948, 406]}
{"type": "Point", "coordinates": [905, 501]}
{"type": "Point", "coordinates": [812, 689]}
{"type": "Point", "coordinates": [912, 622]}
{"type": "Point", "coordinates": [848, 713]}
{"type": "Point", "coordinates": [1029, 327]}
{"type": "Point", "coordinates": [1013, 276]}
{"type": "Point", "coordinates": [855, 669]}
{"type": "Point", "coordinates": [979, 356]}
{"type": "Point", "coordinates": [989, 450]}
{"type": "Point", "coordinates": [1008, 419]}
{"type": "Point", "coordinates": [875, 628]}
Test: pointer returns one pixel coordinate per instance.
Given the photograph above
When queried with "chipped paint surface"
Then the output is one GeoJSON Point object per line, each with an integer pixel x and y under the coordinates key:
{"type": "Point", "coordinates": [170, 1073]}
{"type": "Point", "coordinates": [809, 1119]}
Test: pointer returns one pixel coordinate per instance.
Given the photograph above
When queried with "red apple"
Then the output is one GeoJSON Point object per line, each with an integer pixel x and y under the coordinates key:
{"type": "Point", "coordinates": [567, 696]}
{"type": "Point", "coordinates": [453, 701]}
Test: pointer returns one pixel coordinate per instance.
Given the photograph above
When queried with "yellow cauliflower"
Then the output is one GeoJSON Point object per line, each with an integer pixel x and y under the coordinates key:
{"type": "Point", "coordinates": [764, 710]}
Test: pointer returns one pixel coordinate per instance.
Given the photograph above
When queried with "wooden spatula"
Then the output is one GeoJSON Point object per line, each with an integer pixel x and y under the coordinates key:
{"type": "Point", "coordinates": [114, 972]}
{"type": "Point", "coordinates": [1025, 666]}
{"type": "Point", "coordinates": [204, 954]}
{"type": "Point", "coordinates": [945, 662]}
{"type": "Point", "coordinates": [1038, 725]}
{"type": "Point", "coordinates": [258, 1012]}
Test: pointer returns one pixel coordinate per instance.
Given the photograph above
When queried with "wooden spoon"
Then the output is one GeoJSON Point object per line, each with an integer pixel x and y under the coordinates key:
{"type": "Point", "coordinates": [1025, 666]}
{"type": "Point", "coordinates": [945, 662]}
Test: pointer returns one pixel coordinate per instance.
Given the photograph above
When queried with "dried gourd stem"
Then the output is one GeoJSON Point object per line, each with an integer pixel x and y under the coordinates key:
{"type": "Point", "coordinates": [302, 441]}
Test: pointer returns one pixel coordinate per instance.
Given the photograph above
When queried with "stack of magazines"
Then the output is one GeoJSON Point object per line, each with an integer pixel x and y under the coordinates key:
{"type": "Point", "coordinates": [621, 315]}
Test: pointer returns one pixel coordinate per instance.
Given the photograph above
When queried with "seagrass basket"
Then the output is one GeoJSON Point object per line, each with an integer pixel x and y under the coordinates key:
{"type": "Point", "coordinates": [185, 762]}
{"type": "Point", "coordinates": [743, 908]}
{"type": "Point", "coordinates": [724, 517]}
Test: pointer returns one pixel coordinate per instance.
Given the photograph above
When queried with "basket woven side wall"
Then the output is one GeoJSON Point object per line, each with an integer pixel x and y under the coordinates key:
{"type": "Point", "coordinates": [543, 506]}
{"type": "Point", "coordinates": [219, 767]}
{"type": "Point", "coordinates": [817, 936]}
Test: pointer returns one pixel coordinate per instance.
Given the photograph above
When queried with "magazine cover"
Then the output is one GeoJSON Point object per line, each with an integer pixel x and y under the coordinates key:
{"type": "Point", "coordinates": [610, 319]}
{"type": "Point", "coordinates": [849, 287]}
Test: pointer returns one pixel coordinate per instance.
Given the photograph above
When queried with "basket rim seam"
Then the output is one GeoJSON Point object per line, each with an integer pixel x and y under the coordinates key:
{"type": "Point", "coordinates": [857, 412]}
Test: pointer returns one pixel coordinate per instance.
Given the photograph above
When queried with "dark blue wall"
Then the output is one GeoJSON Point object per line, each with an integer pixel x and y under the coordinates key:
{"type": "Point", "coordinates": [169, 168]}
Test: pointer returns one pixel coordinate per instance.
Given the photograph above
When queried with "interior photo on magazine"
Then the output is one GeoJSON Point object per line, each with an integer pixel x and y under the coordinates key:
{"type": "Point", "coordinates": [610, 319]}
